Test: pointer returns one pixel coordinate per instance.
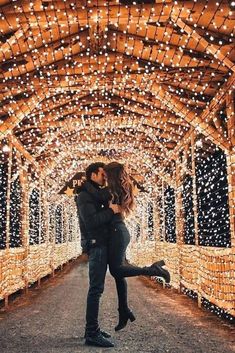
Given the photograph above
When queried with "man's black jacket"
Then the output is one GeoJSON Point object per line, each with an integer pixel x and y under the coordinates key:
{"type": "Point", "coordinates": [93, 214]}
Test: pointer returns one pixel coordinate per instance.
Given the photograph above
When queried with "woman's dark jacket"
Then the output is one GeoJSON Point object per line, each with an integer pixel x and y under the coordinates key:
{"type": "Point", "coordinates": [94, 214]}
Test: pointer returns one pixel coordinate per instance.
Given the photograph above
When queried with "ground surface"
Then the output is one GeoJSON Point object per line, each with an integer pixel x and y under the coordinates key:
{"type": "Point", "coordinates": [51, 319]}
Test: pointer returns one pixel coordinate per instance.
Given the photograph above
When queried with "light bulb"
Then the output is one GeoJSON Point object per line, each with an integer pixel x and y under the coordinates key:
{"type": "Point", "coordinates": [5, 148]}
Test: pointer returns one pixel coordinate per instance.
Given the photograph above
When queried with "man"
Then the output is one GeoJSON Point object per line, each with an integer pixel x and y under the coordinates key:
{"type": "Point", "coordinates": [93, 219]}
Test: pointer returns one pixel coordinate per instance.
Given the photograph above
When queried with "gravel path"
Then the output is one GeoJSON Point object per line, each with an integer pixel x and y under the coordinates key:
{"type": "Point", "coordinates": [51, 319]}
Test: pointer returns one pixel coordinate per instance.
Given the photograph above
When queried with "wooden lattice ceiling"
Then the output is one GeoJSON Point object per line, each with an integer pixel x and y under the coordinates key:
{"type": "Point", "coordinates": [118, 79]}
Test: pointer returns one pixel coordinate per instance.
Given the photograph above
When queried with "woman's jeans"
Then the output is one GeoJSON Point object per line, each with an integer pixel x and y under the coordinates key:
{"type": "Point", "coordinates": [118, 242]}
{"type": "Point", "coordinates": [98, 258]}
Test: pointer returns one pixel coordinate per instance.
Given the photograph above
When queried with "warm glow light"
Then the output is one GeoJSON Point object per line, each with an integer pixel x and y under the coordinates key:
{"type": "Point", "coordinates": [149, 85]}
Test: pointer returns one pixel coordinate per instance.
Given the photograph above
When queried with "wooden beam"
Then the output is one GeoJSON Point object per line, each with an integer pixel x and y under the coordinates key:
{"type": "Point", "coordinates": [173, 103]}
{"type": "Point", "coordinates": [112, 64]}
{"type": "Point", "coordinates": [219, 98]}
{"type": "Point", "coordinates": [138, 98]}
{"type": "Point", "coordinates": [48, 105]}
{"type": "Point", "coordinates": [18, 145]}
{"type": "Point", "coordinates": [132, 120]}
{"type": "Point", "coordinates": [81, 129]}
{"type": "Point", "coordinates": [17, 113]}
{"type": "Point", "coordinates": [136, 106]}
{"type": "Point", "coordinates": [4, 4]}
{"type": "Point", "coordinates": [226, 92]}
{"type": "Point", "coordinates": [147, 117]}
{"type": "Point", "coordinates": [114, 14]}
{"type": "Point", "coordinates": [212, 49]}
{"type": "Point", "coordinates": [153, 41]}
{"type": "Point", "coordinates": [57, 37]}
{"type": "Point", "coordinates": [129, 43]}
{"type": "Point", "coordinates": [57, 183]}
{"type": "Point", "coordinates": [69, 114]}
{"type": "Point", "coordinates": [11, 93]}
{"type": "Point", "coordinates": [5, 47]}
{"type": "Point", "coordinates": [114, 122]}
{"type": "Point", "coordinates": [46, 56]}
{"type": "Point", "coordinates": [140, 156]}
{"type": "Point", "coordinates": [181, 144]}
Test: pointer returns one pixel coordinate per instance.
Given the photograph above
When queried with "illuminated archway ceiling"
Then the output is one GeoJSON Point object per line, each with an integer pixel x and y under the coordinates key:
{"type": "Point", "coordinates": [113, 78]}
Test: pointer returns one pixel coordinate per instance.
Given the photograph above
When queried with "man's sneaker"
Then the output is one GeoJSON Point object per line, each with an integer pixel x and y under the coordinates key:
{"type": "Point", "coordinates": [98, 340]}
{"type": "Point", "coordinates": [103, 333]}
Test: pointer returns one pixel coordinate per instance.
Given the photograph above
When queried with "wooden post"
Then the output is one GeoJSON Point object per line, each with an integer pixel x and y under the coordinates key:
{"type": "Point", "coordinates": [194, 188]}
{"type": "Point", "coordinates": [66, 225]}
{"type": "Point", "coordinates": [179, 208]}
{"type": "Point", "coordinates": [66, 222]}
{"type": "Point", "coordinates": [25, 208]}
{"type": "Point", "coordinates": [26, 289]}
{"type": "Point", "coordinates": [45, 215]}
{"type": "Point", "coordinates": [140, 240]}
{"type": "Point", "coordinates": [6, 301]}
{"type": "Point", "coordinates": [8, 199]}
{"type": "Point", "coordinates": [193, 137]}
{"type": "Point", "coordinates": [51, 233]}
{"type": "Point", "coordinates": [179, 220]}
{"type": "Point", "coordinates": [230, 110]}
{"type": "Point", "coordinates": [62, 223]}
{"type": "Point", "coordinates": [39, 283]}
{"type": "Point", "coordinates": [163, 237]}
{"type": "Point", "coordinates": [231, 193]}
{"type": "Point", "coordinates": [40, 215]}
{"type": "Point", "coordinates": [53, 240]}
{"type": "Point", "coordinates": [25, 220]}
{"type": "Point", "coordinates": [156, 223]}
{"type": "Point", "coordinates": [144, 220]}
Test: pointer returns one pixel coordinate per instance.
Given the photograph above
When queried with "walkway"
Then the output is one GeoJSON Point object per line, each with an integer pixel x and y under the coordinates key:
{"type": "Point", "coordinates": [51, 320]}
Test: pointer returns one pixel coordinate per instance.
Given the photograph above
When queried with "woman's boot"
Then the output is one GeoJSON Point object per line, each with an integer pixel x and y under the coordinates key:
{"type": "Point", "coordinates": [160, 272]}
{"type": "Point", "coordinates": [124, 316]}
{"type": "Point", "coordinates": [159, 263]}
{"type": "Point", "coordinates": [156, 270]}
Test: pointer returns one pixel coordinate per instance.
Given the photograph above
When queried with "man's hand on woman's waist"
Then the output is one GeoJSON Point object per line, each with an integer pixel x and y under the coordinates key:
{"type": "Point", "coordinates": [116, 208]}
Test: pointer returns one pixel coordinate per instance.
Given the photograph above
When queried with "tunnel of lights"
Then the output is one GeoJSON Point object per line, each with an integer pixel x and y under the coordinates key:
{"type": "Point", "coordinates": [147, 83]}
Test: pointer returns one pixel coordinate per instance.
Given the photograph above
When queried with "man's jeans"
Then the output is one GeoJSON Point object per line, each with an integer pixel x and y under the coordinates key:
{"type": "Point", "coordinates": [98, 257]}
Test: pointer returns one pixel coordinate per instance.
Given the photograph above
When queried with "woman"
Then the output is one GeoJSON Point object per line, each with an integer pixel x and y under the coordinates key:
{"type": "Point", "coordinates": [121, 192]}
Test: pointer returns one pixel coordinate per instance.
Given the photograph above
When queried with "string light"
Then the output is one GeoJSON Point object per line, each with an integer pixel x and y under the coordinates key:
{"type": "Point", "coordinates": [128, 82]}
{"type": "Point", "coordinates": [5, 148]}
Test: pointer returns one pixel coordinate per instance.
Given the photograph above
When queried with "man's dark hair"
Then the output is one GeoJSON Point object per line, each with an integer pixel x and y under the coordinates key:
{"type": "Point", "coordinates": [93, 168]}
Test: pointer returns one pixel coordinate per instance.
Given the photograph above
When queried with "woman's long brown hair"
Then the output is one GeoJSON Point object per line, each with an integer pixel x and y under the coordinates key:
{"type": "Point", "coordinates": [120, 186]}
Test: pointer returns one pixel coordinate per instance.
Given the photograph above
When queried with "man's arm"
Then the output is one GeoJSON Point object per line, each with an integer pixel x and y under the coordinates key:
{"type": "Point", "coordinates": [89, 215]}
